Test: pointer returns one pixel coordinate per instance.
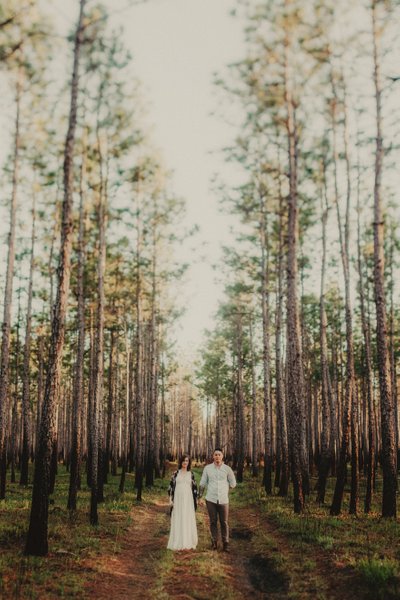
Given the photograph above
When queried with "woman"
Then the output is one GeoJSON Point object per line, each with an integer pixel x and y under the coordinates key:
{"type": "Point", "coordinates": [182, 493]}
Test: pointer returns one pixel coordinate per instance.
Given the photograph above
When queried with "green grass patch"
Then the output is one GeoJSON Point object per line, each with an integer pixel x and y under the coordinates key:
{"type": "Point", "coordinates": [381, 576]}
{"type": "Point", "coordinates": [345, 543]}
{"type": "Point", "coordinates": [72, 540]}
{"type": "Point", "coordinates": [363, 548]}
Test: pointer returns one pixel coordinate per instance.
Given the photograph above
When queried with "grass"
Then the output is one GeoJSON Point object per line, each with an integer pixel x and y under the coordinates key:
{"type": "Point", "coordinates": [72, 540]}
{"type": "Point", "coordinates": [363, 549]}
{"type": "Point", "coordinates": [295, 556]}
{"type": "Point", "coordinates": [381, 576]}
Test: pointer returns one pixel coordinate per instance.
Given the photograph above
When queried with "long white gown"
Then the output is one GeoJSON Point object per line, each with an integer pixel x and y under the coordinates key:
{"type": "Point", "coordinates": [183, 533]}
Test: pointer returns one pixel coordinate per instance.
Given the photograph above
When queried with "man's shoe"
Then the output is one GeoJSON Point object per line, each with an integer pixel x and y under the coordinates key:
{"type": "Point", "coordinates": [214, 545]}
{"type": "Point", "coordinates": [226, 547]}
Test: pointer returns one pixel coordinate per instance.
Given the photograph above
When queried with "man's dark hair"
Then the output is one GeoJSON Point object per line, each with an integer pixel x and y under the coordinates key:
{"type": "Point", "coordinates": [218, 450]}
{"type": "Point", "coordinates": [182, 458]}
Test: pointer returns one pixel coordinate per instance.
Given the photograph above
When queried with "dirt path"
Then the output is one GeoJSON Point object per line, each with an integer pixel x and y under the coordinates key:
{"type": "Point", "coordinates": [277, 569]}
{"type": "Point", "coordinates": [131, 571]}
{"type": "Point", "coordinates": [262, 563]}
{"type": "Point", "coordinates": [207, 574]}
{"type": "Point", "coordinates": [143, 568]}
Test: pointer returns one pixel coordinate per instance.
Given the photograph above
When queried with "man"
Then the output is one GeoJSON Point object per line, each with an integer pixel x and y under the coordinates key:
{"type": "Point", "coordinates": [218, 478]}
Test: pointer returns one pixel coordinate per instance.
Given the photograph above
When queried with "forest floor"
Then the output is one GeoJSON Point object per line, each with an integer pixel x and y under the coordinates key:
{"type": "Point", "coordinates": [274, 554]}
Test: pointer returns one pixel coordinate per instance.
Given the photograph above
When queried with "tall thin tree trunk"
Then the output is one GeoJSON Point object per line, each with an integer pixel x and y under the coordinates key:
{"type": "Point", "coordinates": [295, 376]}
{"type": "Point", "coordinates": [139, 397]}
{"type": "Point", "coordinates": [280, 388]}
{"type": "Point", "coordinates": [111, 408]}
{"type": "Point", "coordinates": [254, 419]}
{"type": "Point", "coordinates": [393, 369]}
{"type": "Point", "coordinates": [355, 452]}
{"type": "Point", "coordinates": [153, 391]}
{"type": "Point", "coordinates": [125, 443]}
{"type": "Point", "coordinates": [78, 386]}
{"type": "Point", "coordinates": [13, 438]}
{"type": "Point", "coordinates": [162, 420]}
{"type": "Point", "coordinates": [267, 477]}
{"type": "Point", "coordinates": [91, 387]}
{"type": "Point", "coordinates": [349, 386]}
{"type": "Point", "coordinates": [37, 543]}
{"type": "Point", "coordinates": [6, 327]}
{"type": "Point", "coordinates": [26, 409]}
{"type": "Point", "coordinates": [40, 377]}
{"type": "Point", "coordinates": [389, 458]}
{"type": "Point", "coordinates": [368, 370]}
{"type": "Point", "coordinates": [240, 428]}
{"type": "Point", "coordinates": [96, 487]}
{"type": "Point", "coordinates": [325, 452]}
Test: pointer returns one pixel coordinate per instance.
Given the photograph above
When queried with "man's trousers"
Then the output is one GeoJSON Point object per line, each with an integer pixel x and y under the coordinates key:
{"type": "Point", "coordinates": [215, 512]}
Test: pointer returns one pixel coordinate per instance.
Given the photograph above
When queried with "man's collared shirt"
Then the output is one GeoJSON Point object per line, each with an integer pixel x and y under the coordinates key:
{"type": "Point", "coordinates": [218, 480]}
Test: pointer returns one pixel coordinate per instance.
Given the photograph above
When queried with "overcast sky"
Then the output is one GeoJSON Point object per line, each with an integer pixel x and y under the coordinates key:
{"type": "Point", "coordinates": [177, 47]}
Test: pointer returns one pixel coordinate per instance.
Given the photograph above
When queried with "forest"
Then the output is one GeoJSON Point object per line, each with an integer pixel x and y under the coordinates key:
{"type": "Point", "coordinates": [297, 379]}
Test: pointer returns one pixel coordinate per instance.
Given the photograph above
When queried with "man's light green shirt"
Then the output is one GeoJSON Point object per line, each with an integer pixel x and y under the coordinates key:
{"type": "Point", "coordinates": [218, 480]}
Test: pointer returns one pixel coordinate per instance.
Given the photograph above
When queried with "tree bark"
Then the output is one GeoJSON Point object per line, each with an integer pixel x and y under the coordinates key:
{"type": "Point", "coordinates": [97, 480]}
{"type": "Point", "coordinates": [139, 399]}
{"type": "Point", "coordinates": [153, 366]}
{"type": "Point", "coordinates": [240, 428]}
{"type": "Point", "coordinates": [254, 419]}
{"type": "Point", "coordinates": [325, 456]}
{"type": "Point", "coordinates": [280, 388]}
{"type": "Point", "coordinates": [368, 369]}
{"type": "Point", "coordinates": [76, 449]}
{"type": "Point", "coordinates": [37, 542]}
{"type": "Point", "coordinates": [6, 327]}
{"type": "Point", "coordinates": [267, 477]}
{"type": "Point", "coordinates": [111, 408]}
{"type": "Point", "coordinates": [348, 403]}
{"type": "Point", "coordinates": [295, 376]}
{"type": "Point", "coordinates": [389, 458]}
{"type": "Point", "coordinates": [26, 409]}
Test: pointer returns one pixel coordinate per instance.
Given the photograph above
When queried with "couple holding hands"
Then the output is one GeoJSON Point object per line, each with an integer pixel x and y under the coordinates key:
{"type": "Point", "coordinates": [217, 477]}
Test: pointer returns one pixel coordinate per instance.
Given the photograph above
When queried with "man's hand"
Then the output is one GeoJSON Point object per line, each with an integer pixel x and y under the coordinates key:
{"type": "Point", "coordinates": [200, 502]}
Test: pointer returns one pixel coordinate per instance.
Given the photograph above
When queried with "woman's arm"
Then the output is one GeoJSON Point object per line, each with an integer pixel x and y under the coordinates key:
{"type": "Point", "coordinates": [171, 488]}
{"type": "Point", "coordinates": [195, 491]}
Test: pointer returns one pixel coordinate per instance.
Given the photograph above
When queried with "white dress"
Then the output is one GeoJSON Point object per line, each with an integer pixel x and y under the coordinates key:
{"type": "Point", "coordinates": [183, 534]}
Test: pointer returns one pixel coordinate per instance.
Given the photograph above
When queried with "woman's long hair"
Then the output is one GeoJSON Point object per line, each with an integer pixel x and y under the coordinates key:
{"type": "Point", "coordinates": [182, 458]}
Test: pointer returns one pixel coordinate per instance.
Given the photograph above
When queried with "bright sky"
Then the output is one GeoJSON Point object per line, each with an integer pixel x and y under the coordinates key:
{"type": "Point", "coordinates": [177, 46]}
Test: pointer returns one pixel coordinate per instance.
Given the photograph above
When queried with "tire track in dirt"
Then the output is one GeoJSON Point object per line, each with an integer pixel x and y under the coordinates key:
{"type": "Point", "coordinates": [278, 569]}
